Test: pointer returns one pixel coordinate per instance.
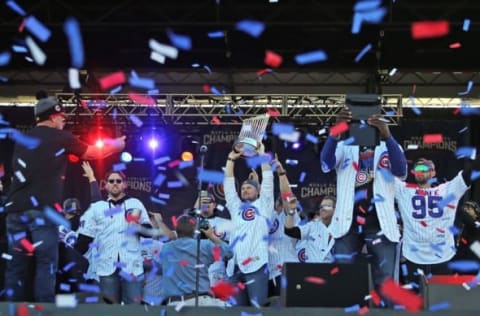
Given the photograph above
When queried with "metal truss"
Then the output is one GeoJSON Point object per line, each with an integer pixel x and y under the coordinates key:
{"type": "Point", "coordinates": [231, 109]}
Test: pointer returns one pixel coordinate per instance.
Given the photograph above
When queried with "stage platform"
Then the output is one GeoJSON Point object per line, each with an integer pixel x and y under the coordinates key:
{"type": "Point", "coordinates": [139, 310]}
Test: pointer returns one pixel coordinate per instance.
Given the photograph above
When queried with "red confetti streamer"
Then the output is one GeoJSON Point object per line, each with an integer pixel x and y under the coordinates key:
{"type": "Point", "coordinates": [273, 112]}
{"type": "Point", "coordinates": [216, 253]}
{"type": "Point", "coordinates": [414, 89]}
{"type": "Point", "coordinates": [463, 241]}
{"type": "Point", "coordinates": [73, 158]}
{"type": "Point", "coordinates": [174, 221]}
{"type": "Point", "coordinates": [22, 310]}
{"type": "Point", "coordinates": [440, 230]}
{"type": "Point", "coordinates": [223, 290]}
{"type": "Point", "coordinates": [355, 165]}
{"type": "Point", "coordinates": [247, 261]}
{"type": "Point", "coordinates": [58, 207]}
{"type": "Point", "coordinates": [456, 111]}
{"type": "Point", "coordinates": [273, 59]}
{"type": "Point", "coordinates": [286, 195]}
{"type": "Point", "coordinates": [361, 220]}
{"type": "Point", "coordinates": [263, 71]}
{"type": "Point", "coordinates": [375, 298]}
{"type": "Point", "coordinates": [2, 170]}
{"type": "Point", "coordinates": [173, 164]}
{"type": "Point", "coordinates": [334, 270]}
{"type": "Point", "coordinates": [215, 120]}
{"type": "Point", "coordinates": [315, 280]}
{"type": "Point", "coordinates": [432, 138]}
{"type": "Point", "coordinates": [451, 279]}
{"type": "Point", "coordinates": [112, 80]}
{"type": "Point", "coordinates": [141, 99]}
{"type": "Point", "coordinates": [339, 128]}
{"type": "Point", "coordinates": [363, 310]}
{"type": "Point", "coordinates": [455, 45]}
{"type": "Point", "coordinates": [411, 301]}
{"type": "Point", "coordinates": [39, 307]}
{"type": "Point", "coordinates": [206, 88]}
{"type": "Point", "coordinates": [183, 263]}
{"type": "Point", "coordinates": [362, 209]}
{"type": "Point", "coordinates": [429, 29]}
{"type": "Point", "coordinates": [241, 286]}
{"type": "Point", "coordinates": [423, 223]}
{"type": "Point", "coordinates": [27, 245]}
{"type": "Point", "coordinates": [21, 27]}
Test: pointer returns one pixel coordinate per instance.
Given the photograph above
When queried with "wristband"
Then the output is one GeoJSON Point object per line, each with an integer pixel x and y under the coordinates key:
{"type": "Point", "coordinates": [282, 173]}
{"type": "Point", "coordinates": [230, 159]}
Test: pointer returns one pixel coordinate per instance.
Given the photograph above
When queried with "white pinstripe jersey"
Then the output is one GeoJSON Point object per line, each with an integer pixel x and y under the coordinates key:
{"type": "Point", "coordinates": [346, 159]}
{"type": "Point", "coordinates": [281, 248]}
{"type": "Point", "coordinates": [250, 236]}
{"type": "Point", "coordinates": [427, 238]}
{"type": "Point", "coordinates": [316, 243]}
{"type": "Point", "coordinates": [91, 254]}
{"type": "Point", "coordinates": [111, 235]}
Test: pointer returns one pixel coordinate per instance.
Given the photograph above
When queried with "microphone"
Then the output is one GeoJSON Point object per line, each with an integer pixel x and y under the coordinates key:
{"type": "Point", "coordinates": [203, 149]}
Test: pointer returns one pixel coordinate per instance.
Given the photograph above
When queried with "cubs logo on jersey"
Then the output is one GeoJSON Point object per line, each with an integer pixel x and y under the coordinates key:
{"type": "Point", "coordinates": [248, 214]}
{"type": "Point", "coordinates": [220, 235]}
{"type": "Point", "coordinates": [384, 161]}
{"type": "Point", "coordinates": [274, 226]}
{"type": "Point", "coordinates": [302, 256]}
{"type": "Point", "coordinates": [362, 177]}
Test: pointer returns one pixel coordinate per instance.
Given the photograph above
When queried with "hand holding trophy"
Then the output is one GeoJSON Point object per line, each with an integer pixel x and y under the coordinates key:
{"type": "Point", "coordinates": [250, 137]}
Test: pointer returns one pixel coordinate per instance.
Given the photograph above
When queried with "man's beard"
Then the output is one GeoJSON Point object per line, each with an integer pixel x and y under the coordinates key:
{"type": "Point", "coordinates": [115, 194]}
{"type": "Point", "coordinates": [422, 181]}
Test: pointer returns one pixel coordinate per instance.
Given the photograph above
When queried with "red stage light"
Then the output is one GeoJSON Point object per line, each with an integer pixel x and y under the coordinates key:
{"type": "Point", "coordinates": [99, 143]}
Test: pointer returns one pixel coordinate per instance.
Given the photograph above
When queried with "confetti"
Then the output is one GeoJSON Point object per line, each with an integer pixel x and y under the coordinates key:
{"type": "Point", "coordinates": [74, 79]}
{"type": "Point", "coordinates": [135, 120]}
{"type": "Point", "coordinates": [469, 88]}
{"type": "Point", "coordinates": [75, 43]}
{"type": "Point", "coordinates": [251, 27]}
{"type": "Point", "coordinates": [66, 300]}
{"type": "Point", "coordinates": [143, 83]}
{"type": "Point", "coordinates": [466, 25]}
{"type": "Point", "coordinates": [112, 80]}
{"type": "Point", "coordinates": [37, 53]}
{"type": "Point", "coordinates": [15, 7]}
{"type": "Point", "coordinates": [37, 28]}
{"type": "Point", "coordinates": [315, 280]}
{"type": "Point", "coordinates": [432, 138]}
{"type": "Point", "coordinates": [455, 45]}
{"type": "Point", "coordinates": [163, 49]}
{"type": "Point", "coordinates": [466, 152]}
{"type": "Point", "coordinates": [429, 29]}
{"type": "Point", "coordinates": [159, 58]}
{"type": "Point", "coordinates": [463, 265]}
{"type": "Point", "coordinates": [311, 57]}
{"type": "Point", "coordinates": [339, 128]}
{"type": "Point", "coordinates": [19, 176]}
{"type": "Point", "coordinates": [180, 41]}
{"type": "Point", "coordinates": [273, 59]}
{"type": "Point", "coordinates": [211, 176]}
{"type": "Point", "coordinates": [56, 218]}
{"type": "Point", "coordinates": [351, 309]}
{"type": "Point", "coordinates": [391, 290]}
{"type": "Point", "coordinates": [142, 100]}
{"type": "Point", "coordinates": [362, 53]}
{"type": "Point", "coordinates": [216, 34]}
{"type": "Point", "coordinates": [5, 58]}
{"type": "Point", "coordinates": [27, 245]}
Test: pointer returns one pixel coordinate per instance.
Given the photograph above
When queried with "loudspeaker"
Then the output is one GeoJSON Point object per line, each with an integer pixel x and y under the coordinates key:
{"type": "Point", "coordinates": [325, 284]}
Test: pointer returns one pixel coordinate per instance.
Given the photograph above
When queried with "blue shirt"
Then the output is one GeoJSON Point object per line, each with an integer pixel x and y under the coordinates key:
{"type": "Point", "coordinates": [178, 260]}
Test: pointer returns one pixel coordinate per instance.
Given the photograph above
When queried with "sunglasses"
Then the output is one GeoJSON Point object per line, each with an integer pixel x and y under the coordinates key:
{"type": "Point", "coordinates": [326, 207]}
{"type": "Point", "coordinates": [115, 180]}
{"type": "Point", "coordinates": [421, 168]}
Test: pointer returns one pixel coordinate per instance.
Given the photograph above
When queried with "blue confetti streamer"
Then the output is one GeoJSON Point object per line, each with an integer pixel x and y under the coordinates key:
{"type": "Point", "coordinates": [475, 175]}
{"type": "Point", "coordinates": [360, 195]}
{"type": "Point", "coordinates": [16, 8]}
{"type": "Point", "coordinates": [143, 83]}
{"type": "Point", "coordinates": [174, 184]}
{"type": "Point", "coordinates": [92, 288]}
{"type": "Point", "coordinates": [466, 25]}
{"type": "Point", "coordinates": [311, 138]}
{"type": "Point", "coordinates": [282, 128]}
{"type": "Point", "coordinates": [366, 5]}
{"type": "Point", "coordinates": [216, 34]}
{"type": "Point", "coordinates": [5, 58]}
{"type": "Point", "coordinates": [75, 43]}
{"type": "Point", "coordinates": [112, 211]}
{"type": "Point", "coordinates": [159, 179]}
{"type": "Point", "coordinates": [351, 309]}
{"type": "Point", "coordinates": [56, 217]}
{"type": "Point", "coordinates": [211, 176]}
{"type": "Point", "coordinates": [464, 265]}
{"type": "Point", "coordinates": [469, 88]}
{"type": "Point", "coordinates": [466, 152]}
{"type": "Point", "coordinates": [302, 177]}
{"type": "Point", "coordinates": [362, 53]}
{"type": "Point", "coordinates": [254, 162]}
{"type": "Point", "coordinates": [185, 164]}
{"type": "Point", "coordinates": [60, 152]}
{"type": "Point", "coordinates": [158, 201]}
{"type": "Point", "coordinates": [215, 91]}
{"type": "Point", "coordinates": [91, 299]}
{"type": "Point", "coordinates": [386, 174]}
{"type": "Point", "coordinates": [119, 166]}
{"type": "Point", "coordinates": [444, 202]}
{"type": "Point", "coordinates": [180, 41]}
{"type": "Point", "coordinates": [37, 28]}
{"type": "Point", "coordinates": [251, 27]}
{"type": "Point", "coordinates": [349, 140]}
{"type": "Point", "coordinates": [19, 49]}
{"type": "Point", "coordinates": [311, 57]}
{"type": "Point", "coordinates": [34, 201]}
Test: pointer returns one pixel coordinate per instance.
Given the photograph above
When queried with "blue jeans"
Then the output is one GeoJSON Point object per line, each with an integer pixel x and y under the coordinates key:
{"type": "Point", "coordinates": [256, 286]}
{"type": "Point", "coordinates": [38, 268]}
{"type": "Point", "coordinates": [116, 289]}
{"type": "Point", "coordinates": [382, 253]}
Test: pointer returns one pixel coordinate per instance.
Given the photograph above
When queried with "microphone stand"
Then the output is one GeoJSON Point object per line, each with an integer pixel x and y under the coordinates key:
{"type": "Point", "coordinates": [198, 235]}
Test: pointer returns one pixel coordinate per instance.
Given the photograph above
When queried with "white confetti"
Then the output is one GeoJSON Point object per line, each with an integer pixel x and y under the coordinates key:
{"type": "Point", "coordinates": [74, 78]}
{"type": "Point", "coordinates": [37, 53]}
{"type": "Point", "coordinates": [165, 50]}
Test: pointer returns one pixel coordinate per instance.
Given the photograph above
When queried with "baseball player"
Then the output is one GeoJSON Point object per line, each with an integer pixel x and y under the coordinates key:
{"type": "Point", "coordinates": [428, 213]}
{"type": "Point", "coordinates": [365, 209]}
{"type": "Point", "coordinates": [250, 215]}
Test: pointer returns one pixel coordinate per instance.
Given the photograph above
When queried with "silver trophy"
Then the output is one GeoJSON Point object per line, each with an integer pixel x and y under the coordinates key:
{"type": "Point", "coordinates": [251, 134]}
